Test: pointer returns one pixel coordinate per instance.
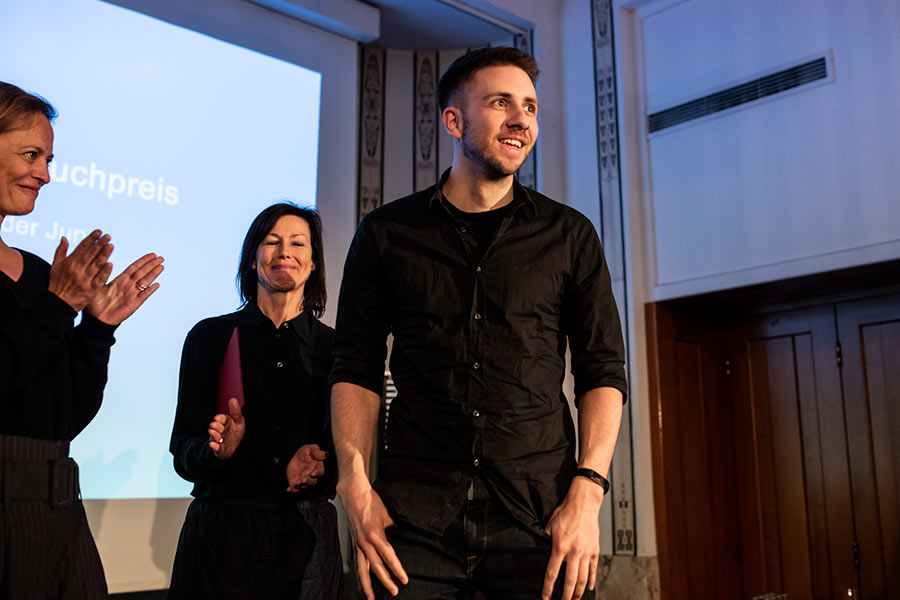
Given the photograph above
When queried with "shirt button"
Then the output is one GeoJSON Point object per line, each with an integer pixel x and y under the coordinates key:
{"type": "Point", "coordinates": [476, 366]}
{"type": "Point", "coordinates": [279, 364]}
{"type": "Point", "coordinates": [477, 316]}
{"type": "Point", "coordinates": [475, 413]}
{"type": "Point", "coordinates": [276, 427]}
{"type": "Point", "coordinates": [462, 229]}
{"type": "Point", "coordinates": [275, 461]}
{"type": "Point", "coordinates": [475, 462]}
{"type": "Point", "coordinates": [277, 336]}
{"type": "Point", "coordinates": [478, 269]}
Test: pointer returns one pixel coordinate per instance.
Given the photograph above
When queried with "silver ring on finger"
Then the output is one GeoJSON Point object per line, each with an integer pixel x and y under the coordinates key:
{"type": "Point", "coordinates": [140, 286]}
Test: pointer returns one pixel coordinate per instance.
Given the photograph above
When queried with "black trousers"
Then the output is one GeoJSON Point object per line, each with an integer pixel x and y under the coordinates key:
{"type": "Point", "coordinates": [247, 549]}
{"type": "Point", "coordinates": [45, 552]}
{"type": "Point", "coordinates": [323, 577]}
{"type": "Point", "coordinates": [484, 553]}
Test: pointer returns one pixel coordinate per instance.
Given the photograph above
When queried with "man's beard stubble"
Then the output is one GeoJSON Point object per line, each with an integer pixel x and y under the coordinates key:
{"type": "Point", "coordinates": [492, 168]}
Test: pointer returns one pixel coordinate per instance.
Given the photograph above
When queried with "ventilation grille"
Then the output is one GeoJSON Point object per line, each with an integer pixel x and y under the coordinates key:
{"type": "Point", "coordinates": [756, 89]}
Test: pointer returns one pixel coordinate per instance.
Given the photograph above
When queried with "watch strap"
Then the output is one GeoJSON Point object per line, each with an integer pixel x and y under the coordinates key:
{"type": "Point", "coordinates": [593, 476]}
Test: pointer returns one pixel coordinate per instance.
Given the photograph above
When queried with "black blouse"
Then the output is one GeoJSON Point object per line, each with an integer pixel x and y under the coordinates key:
{"type": "Point", "coordinates": [52, 374]}
{"type": "Point", "coordinates": [286, 394]}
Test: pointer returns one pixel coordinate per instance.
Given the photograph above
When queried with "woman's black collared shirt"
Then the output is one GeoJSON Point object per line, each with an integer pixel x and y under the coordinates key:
{"type": "Point", "coordinates": [286, 393]}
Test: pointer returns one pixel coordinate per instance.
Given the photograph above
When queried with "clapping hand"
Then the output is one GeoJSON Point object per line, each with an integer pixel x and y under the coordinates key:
{"type": "Point", "coordinates": [117, 300]}
{"type": "Point", "coordinates": [78, 277]}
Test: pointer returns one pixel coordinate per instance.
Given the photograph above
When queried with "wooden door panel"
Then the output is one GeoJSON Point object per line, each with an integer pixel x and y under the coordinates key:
{"type": "Point", "coordinates": [694, 476]}
{"type": "Point", "coordinates": [787, 401]}
{"type": "Point", "coordinates": [695, 498]}
{"type": "Point", "coordinates": [780, 444]}
{"type": "Point", "coordinates": [793, 458]}
{"type": "Point", "coordinates": [869, 331]}
{"type": "Point", "coordinates": [814, 470]}
{"type": "Point", "coordinates": [747, 465]}
{"type": "Point", "coordinates": [777, 481]}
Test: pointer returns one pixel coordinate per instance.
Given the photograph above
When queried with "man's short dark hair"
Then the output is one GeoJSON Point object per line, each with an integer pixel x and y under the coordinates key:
{"type": "Point", "coordinates": [17, 106]}
{"type": "Point", "coordinates": [314, 294]}
{"type": "Point", "coordinates": [464, 68]}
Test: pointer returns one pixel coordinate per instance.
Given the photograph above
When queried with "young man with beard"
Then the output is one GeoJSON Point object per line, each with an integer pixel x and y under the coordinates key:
{"type": "Point", "coordinates": [482, 282]}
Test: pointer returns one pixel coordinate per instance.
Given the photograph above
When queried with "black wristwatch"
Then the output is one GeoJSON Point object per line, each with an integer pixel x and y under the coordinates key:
{"type": "Point", "coordinates": [595, 477]}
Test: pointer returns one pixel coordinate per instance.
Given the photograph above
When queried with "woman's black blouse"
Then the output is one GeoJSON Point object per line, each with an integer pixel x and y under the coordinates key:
{"type": "Point", "coordinates": [52, 374]}
{"type": "Point", "coordinates": [287, 404]}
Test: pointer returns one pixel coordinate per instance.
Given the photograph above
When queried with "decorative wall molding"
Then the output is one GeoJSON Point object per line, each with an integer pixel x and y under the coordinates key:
{"type": "Point", "coordinates": [612, 235]}
{"type": "Point", "coordinates": [371, 131]}
{"type": "Point", "coordinates": [426, 123]}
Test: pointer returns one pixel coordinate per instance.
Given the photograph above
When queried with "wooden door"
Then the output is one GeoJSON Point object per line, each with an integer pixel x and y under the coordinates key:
{"type": "Point", "coordinates": [869, 332]}
{"type": "Point", "coordinates": [693, 459]}
{"type": "Point", "coordinates": [791, 458]}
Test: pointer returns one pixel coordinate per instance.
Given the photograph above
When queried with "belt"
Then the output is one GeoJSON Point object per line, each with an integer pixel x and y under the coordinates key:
{"type": "Point", "coordinates": [55, 481]}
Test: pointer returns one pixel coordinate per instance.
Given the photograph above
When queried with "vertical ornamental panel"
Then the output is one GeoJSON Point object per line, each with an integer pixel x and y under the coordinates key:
{"type": "Point", "coordinates": [426, 123]}
{"type": "Point", "coordinates": [371, 131]}
{"type": "Point", "coordinates": [612, 235]}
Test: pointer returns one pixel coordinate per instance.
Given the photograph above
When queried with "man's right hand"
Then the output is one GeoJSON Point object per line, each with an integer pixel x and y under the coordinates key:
{"type": "Point", "coordinates": [76, 278]}
{"type": "Point", "coordinates": [368, 520]}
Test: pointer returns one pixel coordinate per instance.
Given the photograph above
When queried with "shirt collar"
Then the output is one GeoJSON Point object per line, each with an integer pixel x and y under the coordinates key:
{"type": "Point", "coordinates": [522, 201]}
{"type": "Point", "coordinates": [253, 319]}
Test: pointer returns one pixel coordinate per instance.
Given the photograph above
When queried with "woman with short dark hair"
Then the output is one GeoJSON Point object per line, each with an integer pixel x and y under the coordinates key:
{"type": "Point", "coordinates": [252, 428]}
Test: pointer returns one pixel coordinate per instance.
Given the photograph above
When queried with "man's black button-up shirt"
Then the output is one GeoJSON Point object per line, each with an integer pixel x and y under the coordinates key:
{"type": "Point", "coordinates": [479, 349]}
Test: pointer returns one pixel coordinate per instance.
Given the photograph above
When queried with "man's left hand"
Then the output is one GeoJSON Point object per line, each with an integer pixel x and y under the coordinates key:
{"type": "Point", "coordinates": [575, 529]}
{"type": "Point", "coordinates": [305, 468]}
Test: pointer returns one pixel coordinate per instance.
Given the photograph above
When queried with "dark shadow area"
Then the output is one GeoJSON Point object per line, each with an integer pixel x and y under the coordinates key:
{"type": "Point", "coordinates": [151, 595]}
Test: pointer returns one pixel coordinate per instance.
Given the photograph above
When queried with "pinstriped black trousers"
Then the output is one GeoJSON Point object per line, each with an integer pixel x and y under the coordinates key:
{"type": "Point", "coordinates": [45, 553]}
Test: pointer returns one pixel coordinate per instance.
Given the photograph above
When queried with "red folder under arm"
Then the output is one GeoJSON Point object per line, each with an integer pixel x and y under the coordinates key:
{"type": "Point", "coordinates": [231, 382]}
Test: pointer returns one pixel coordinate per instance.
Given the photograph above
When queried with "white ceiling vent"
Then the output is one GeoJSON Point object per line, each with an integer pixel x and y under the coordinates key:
{"type": "Point", "coordinates": [809, 72]}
